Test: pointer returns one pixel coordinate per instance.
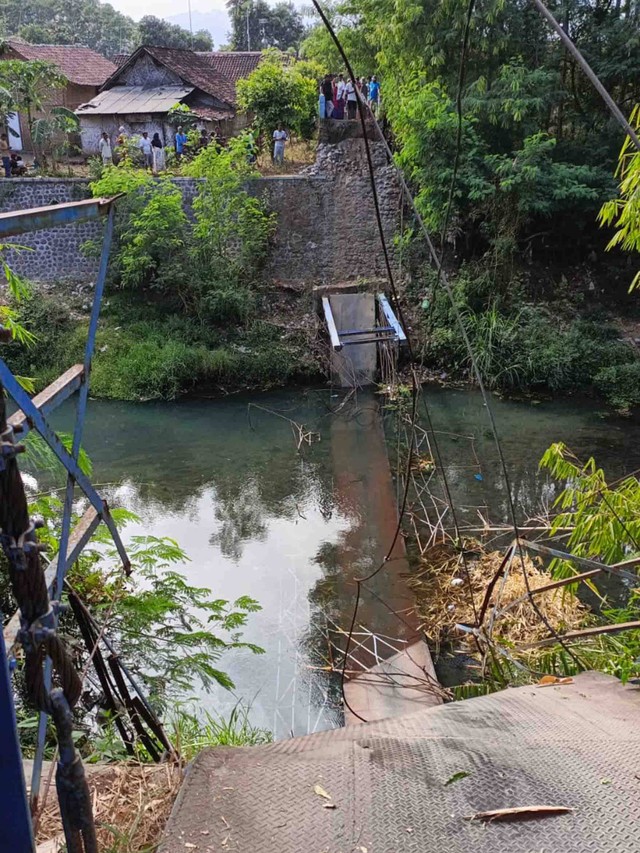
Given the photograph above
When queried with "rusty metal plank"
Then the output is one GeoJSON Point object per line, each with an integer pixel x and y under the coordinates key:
{"type": "Point", "coordinates": [23, 221]}
{"type": "Point", "coordinates": [81, 534]}
{"type": "Point", "coordinates": [49, 398]}
{"type": "Point", "coordinates": [579, 561]}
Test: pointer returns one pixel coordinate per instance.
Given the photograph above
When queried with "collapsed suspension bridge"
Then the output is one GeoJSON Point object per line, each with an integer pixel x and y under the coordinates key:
{"type": "Point", "coordinates": [388, 780]}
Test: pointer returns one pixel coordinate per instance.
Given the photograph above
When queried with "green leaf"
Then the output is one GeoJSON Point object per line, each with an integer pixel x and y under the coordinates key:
{"type": "Point", "coordinates": [461, 774]}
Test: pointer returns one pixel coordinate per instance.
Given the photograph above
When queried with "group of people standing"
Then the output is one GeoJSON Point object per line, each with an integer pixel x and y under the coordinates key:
{"type": "Point", "coordinates": [342, 95]}
{"type": "Point", "coordinates": [152, 149]}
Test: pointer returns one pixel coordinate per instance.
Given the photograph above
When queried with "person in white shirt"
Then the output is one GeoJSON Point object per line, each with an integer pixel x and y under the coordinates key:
{"type": "Point", "coordinates": [279, 139]}
{"type": "Point", "coordinates": [352, 100]}
{"type": "Point", "coordinates": [147, 152]}
{"type": "Point", "coordinates": [105, 150]}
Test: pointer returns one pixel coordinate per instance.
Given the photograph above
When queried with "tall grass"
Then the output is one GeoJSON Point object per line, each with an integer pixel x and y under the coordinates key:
{"type": "Point", "coordinates": [193, 729]}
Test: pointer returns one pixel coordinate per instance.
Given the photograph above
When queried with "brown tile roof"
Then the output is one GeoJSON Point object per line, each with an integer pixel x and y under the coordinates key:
{"type": "Point", "coordinates": [79, 64]}
{"type": "Point", "coordinates": [211, 114]}
{"type": "Point", "coordinates": [234, 64]}
{"type": "Point", "coordinates": [190, 66]}
{"type": "Point", "coordinates": [120, 58]}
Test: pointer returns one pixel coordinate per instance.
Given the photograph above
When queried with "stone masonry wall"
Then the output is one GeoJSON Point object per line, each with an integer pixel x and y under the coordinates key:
{"type": "Point", "coordinates": [326, 227]}
{"type": "Point", "coordinates": [56, 253]}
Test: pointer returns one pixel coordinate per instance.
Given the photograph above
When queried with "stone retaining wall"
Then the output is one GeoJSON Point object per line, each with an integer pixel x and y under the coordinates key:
{"type": "Point", "coordinates": [326, 227]}
{"type": "Point", "coordinates": [56, 253]}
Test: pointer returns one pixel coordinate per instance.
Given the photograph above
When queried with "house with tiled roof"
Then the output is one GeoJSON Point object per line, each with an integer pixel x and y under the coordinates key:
{"type": "Point", "coordinates": [233, 64]}
{"type": "Point", "coordinates": [85, 70]}
{"type": "Point", "coordinates": [147, 84]}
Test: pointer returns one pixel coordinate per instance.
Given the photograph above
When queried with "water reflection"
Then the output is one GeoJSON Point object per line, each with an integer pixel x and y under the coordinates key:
{"type": "Point", "coordinates": [292, 529]}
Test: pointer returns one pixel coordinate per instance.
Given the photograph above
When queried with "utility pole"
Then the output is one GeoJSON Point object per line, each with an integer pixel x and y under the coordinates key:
{"type": "Point", "coordinates": [248, 31]}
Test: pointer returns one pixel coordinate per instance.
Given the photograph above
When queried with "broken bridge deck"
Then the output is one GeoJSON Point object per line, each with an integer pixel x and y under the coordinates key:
{"type": "Point", "coordinates": [575, 745]}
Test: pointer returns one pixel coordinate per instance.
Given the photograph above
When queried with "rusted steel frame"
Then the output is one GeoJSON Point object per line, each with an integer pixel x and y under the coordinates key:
{"type": "Point", "coordinates": [586, 633]}
{"type": "Point", "coordinates": [49, 399]}
{"type": "Point", "coordinates": [82, 533]}
{"type": "Point", "coordinates": [90, 637]}
{"type": "Point", "coordinates": [134, 716]}
{"type": "Point", "coordinates": [580, 561]}
{"type": "Point", "coordinates": [36, 218]}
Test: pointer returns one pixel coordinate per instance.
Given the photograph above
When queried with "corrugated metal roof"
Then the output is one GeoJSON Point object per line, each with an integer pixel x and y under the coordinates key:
{"type": "Point", "coordinates": [123, 100]}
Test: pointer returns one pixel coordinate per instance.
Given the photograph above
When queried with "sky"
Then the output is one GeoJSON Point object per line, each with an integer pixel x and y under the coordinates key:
{"type": "Point", "coordinates": [205, 14]}
{"type": "Point", "coordinates": [164, 8]}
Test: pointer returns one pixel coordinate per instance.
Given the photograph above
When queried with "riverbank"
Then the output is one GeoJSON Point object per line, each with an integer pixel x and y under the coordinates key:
{"type": "Point", "coordinates": [147, 350]}
{"type": "Point", "coordinates": [150, 349]}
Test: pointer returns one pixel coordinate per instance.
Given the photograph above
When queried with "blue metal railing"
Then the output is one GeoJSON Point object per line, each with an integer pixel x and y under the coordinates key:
{"type": "Point", "coordinates": [14, 811]}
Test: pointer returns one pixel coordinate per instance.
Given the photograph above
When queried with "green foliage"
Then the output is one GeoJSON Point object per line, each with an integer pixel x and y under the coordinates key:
{"type": "Point", "coordinates": [537, 141]}
{"type": "Point", "coordinates": [192, 729]}
{"type": "Point", "coordinates": [356, 33]}
{"type": "Point", "coordinates": [624, 211]}
{"type": "Point", "coordinates": [232, 228]}
{"type": "Point", "coordinates": [604, 521]}
{"type": "Point", "coordinates": [206, 266]}
{"type": "Point", "coordinates": [620, 384]}
{"type": "Point", "coordinates": [278, 92]}
{"type": "Point", "coordinates": [89, 22]}
{"type": "Point", "coordinates": [12, 315]}
{"type": "Point", "coordinates": [29, 85]}
{"type": "Point", "coordinates": [154, 246]}
{"type": "Point", "coordinates": [180, 115]}
{"type": "Point", "coordinates": [530, 347]}
{"type": "Point", "coordinates": [166, 626]}
{"type": "Point", "coordinates": [151, 229]}
{"type": "Point", "coordinates": [147, 350]}
{"type": "Point", "coordinates": [505, 191]}
{"type": "Point", "coordinates": [156, 31]}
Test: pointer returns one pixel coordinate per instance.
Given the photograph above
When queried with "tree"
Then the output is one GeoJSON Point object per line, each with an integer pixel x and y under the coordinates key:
{"type": "Point", "coordinates": [624, 211]}
{"type": "Point", "coordinates": [354, 36]}
{"type": "Point", "coordinates": [155, 31]}
{"type": "Point", "coordinates": [88, 22]}
{"type": "Point", "coordinates": [277, 91]}
{"type": "Point", "coordinates": [29, 85]}
{"type": "Point", "coordinates": [255, 25]}
{"type": "Point", "coordinates": [518, 85]}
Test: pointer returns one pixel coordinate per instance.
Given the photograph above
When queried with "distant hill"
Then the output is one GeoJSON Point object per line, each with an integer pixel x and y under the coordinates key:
{"type": "Point", "coordinates": [216, 21]}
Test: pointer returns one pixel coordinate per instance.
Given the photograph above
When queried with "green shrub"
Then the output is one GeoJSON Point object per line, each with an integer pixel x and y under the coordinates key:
{"type": "Point", "coordinates": [620, 384]}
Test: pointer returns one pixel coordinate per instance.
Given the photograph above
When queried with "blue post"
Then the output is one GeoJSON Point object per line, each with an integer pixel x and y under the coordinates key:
{"type": "Point", "coordinates": [15, 819]}
{"type": "Point", "coordinates": [63, 564]}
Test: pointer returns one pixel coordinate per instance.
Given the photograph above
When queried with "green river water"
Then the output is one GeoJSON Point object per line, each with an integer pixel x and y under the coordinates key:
{"type": "Point", "coordinates": [257, 516]}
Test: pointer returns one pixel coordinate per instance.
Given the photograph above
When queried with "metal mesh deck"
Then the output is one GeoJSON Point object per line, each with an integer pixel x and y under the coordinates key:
{"type": "Point", "coordinates": [575, 745]}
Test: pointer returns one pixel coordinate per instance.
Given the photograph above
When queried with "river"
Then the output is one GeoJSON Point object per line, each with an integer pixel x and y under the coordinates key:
{"type": "Point", "coordinates": [258, 515]}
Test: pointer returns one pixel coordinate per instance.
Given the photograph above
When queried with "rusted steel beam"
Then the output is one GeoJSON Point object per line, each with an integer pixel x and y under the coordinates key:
{"type": "Point", "coordinates": [598, 630]}
{"type": "Point", "coordinates": [48, 399]}
{"type": "Point", "coordinates": [81, 534]}
{"type": "Point", "coordinates": [23, 221]}
{"type": "Point", "coordinates": [579, 561]}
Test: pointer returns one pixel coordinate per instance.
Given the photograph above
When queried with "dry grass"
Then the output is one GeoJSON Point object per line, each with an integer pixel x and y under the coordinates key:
{"type": "Point", "coordinates": [297, 155]}
{"type": "Point", "coordinates": [442, 598]}
{"type": "Point", "coordinates": [131, 804]}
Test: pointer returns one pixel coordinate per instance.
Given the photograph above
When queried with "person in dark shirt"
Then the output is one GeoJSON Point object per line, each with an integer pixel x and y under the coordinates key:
{"type": "Point", "coordinates": [327, 90]}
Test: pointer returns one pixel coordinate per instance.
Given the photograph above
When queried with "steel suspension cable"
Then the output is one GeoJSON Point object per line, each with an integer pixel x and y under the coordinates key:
{"type": "Point", "coordinates": [595, 81]}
